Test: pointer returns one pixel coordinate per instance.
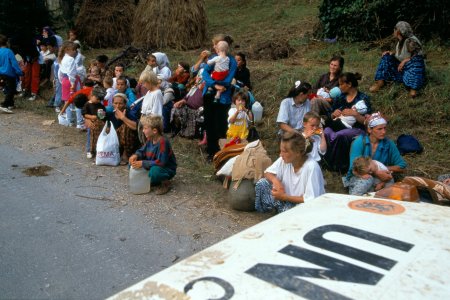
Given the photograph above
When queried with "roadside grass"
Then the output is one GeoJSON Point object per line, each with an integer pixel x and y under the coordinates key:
{"type": "Point", "coordinates": [252, 22]}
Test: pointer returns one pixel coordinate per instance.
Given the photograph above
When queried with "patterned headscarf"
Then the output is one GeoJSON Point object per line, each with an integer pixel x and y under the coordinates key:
{"type": "Point", "coordinates": [404, 28]}
{"type": "Point", "coordinates": [376, 119]}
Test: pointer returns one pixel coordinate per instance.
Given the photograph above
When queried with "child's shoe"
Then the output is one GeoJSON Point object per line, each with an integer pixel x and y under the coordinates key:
{"type": "Point", "coordinates": [164, 188]}
{"type": "Point", "coordinates": [32, 97]}
{"type": "Point", "coordinates": [89, 155]}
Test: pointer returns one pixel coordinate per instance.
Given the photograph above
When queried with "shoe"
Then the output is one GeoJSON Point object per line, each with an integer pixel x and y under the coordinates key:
{"type": "Point", "coordinates": [57, 110]}
{"type": "Point", "coordinates": [203, 141]}
{"type": "Point", "coordinates": [89, 155]}
{"type": "Point", "coordinates": [32, 97]}
{"type": "Point", "coordinates": [164, 188]}
{"type": "Point", "coordinates": [6, 110]}
{"type": "Point", "coordinates": [412, 93]}
{"type": "Point", "coordinates": [376, 86]}
{"type": "Point", "coordinates": [82, 127]}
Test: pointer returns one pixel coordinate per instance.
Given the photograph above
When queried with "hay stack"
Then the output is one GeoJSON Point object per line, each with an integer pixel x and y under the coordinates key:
{"type": "Point", "coordinates": [179, 24]}
{"type": "Point", "coordinates": [102, 24]}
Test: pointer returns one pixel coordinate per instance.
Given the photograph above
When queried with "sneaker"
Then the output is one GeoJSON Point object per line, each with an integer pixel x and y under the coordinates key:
{"type": "Point", "coordinates": [82, 127]}
{"type": "Point", "coordinates": [32, 97]}
{"type": "Point", "coordinates": [89, 155]}
{"type": "Point", "coordinates": [6, 110]}
{"type": "Point", "coordinates": [57, 110]}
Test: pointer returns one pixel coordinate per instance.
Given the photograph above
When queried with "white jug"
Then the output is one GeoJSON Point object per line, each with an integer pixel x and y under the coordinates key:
{"type": "Point", "coordinates": [257, 111]}
{"type": "Point", "coordinates": [139, 181]}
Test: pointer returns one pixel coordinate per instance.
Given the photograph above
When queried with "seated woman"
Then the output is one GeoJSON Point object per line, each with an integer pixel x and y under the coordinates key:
{"type": "Point", "coordinates": [125, 122]}
{"type": "Point", "coordinates": [292, 179]}
{"type": "Point", "coordinates": [242, 75]}
{"type": "Point", "coordinates": [185, 112]}
{"type": "Point", "coordinates": [405, 65]}
{"type": "Point", "coordinates": [339, 137]}
{"type": "Point", "coordinates": [322, 105]}
{"type": "Point", "coordinates": [376, 146]}
{"type": "Point", "coordinates": [294, 107]}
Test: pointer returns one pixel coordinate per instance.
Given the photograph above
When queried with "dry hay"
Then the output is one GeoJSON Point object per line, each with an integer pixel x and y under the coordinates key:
{"type": "Point", "coordinates": [178, 24]}
{"type": "Point", "coordinates": [103, 24]}
{"type": "Point", "coordinates": [272, 49]}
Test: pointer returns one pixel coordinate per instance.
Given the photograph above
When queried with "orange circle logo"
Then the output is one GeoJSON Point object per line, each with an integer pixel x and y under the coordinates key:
{"type": "Point", "coordinates": [381, 207]}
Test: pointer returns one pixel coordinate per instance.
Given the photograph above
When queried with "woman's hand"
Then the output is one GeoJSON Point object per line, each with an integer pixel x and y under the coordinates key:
{"type": "Point", "coordinates": [120, 115]}
{"type": "Point", "coordinates": [204, 54]}
{"type": "Point", "coordinates": [180, 103]}
{"type": "Point", "coordinates": [383, 175]}
{"type": "Point", "coordinates": [220, 88]}
{"type": "Point", "coordinates": [278, 192]}
{"type": "Point", "coordinates": [402, 64]}
{"type": "Point", "coordinates": [349, 112]}
{"type": "Point", "coordinates": [337, 113]}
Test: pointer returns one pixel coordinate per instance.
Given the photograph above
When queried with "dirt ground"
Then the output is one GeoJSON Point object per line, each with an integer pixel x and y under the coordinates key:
{"type": "Point", "coordinates": [201, 210]}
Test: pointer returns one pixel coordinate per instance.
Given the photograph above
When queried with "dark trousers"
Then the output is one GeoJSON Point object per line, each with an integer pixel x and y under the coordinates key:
{"type": "Point", "coordinates": [167, 109]}
{"type": "Point", "coordinates": [9, 84]}
{"type": "Point", "coordinates": [216, 122]}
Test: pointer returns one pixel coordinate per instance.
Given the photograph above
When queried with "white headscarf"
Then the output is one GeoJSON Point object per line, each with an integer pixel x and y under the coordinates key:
{"type": "Point", "coordinates": [376, 119]}
{"type": "Point", "coordinates": [161, 60]}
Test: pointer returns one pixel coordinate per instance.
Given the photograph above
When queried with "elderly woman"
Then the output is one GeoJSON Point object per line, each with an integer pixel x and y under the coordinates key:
{"type": "Point", "coordinates": [405, 65]}
{"type": "Point", "coordinates": [339, 138]}
{"type": "Point", "coordinates": [186, 111]}
{"type": "Point", "coordinates": [322, 105]}
{"type": "Point", "coordinates": [377, 146]}
{"type": "Point", "coordinates": [125, 122]}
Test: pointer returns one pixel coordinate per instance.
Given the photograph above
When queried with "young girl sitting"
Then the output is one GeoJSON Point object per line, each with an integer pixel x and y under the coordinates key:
{"type": "Point", "coordinates": [94, 112]}
{"type": "Point", "coordinates": [156, 155]}
{"type": "Point", "coordinates": [364, 167]}
{"type": "Point", "coordinates": [313, 130]}
{"type": "Point", "coordinates": [221, 64]}
{"type": "Point", "coordinates": [239, 117]}
{"type": "Point", "coordinates": [292, 179]}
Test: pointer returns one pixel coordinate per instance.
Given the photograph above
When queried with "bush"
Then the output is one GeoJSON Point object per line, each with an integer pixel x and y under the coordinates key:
{"type": "Point", "coordinates": [366, 20]}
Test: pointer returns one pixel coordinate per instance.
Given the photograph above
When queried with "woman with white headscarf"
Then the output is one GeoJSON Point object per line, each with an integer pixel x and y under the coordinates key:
{"type": "Point", "coordinates": [405, 65]}
{"type": "Point", "coordinates": [377, 146]}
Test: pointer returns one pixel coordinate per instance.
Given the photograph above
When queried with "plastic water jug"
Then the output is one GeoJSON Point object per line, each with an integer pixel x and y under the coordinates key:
{"type": "Point", "coordinates": [139, 181]}
{"type": "Point", "coordinates": [257, 111]}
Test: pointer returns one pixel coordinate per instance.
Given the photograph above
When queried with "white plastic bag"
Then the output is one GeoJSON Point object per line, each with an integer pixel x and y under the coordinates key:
{"type": "Point", "coordinates": [108, 148]}
{"type": "Point", "coordinates": [62, 120]}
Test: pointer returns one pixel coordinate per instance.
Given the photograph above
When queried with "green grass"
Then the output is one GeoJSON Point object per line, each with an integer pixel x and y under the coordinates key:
{"type": "Point", "coordinates": [256, 22]}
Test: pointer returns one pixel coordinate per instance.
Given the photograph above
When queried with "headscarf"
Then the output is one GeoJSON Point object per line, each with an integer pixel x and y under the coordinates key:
{"type": "Point", "coordinates": [49, 31]}
{"type": "Point", "coordinates": [161, 60]}
{"type": "Point", "coordinates": [376, 119]}
{"type": "Point", "coordinates": [404, 28]}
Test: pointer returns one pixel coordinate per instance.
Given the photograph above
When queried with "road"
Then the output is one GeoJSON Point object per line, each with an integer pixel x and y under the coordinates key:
{"type": "Point", "coordinates": [77, 233]}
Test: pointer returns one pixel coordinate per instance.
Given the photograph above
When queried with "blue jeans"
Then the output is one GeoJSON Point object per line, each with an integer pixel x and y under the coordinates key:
{"type": "Point", "coordinates": [79, 115]}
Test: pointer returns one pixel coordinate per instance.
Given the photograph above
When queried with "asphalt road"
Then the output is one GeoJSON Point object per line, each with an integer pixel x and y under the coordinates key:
{"type": "Point", "coordinates": [56, 243]}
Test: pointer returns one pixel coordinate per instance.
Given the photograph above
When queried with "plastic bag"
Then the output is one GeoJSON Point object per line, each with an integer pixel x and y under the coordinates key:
{"type": "Point", "coordinates": [62, 120]}
{"type": "Point", "coordinates": [108, 148]}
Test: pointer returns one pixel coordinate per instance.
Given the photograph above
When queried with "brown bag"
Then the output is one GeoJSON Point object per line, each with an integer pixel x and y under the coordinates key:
{"type": "Point", "coordinates": [221, 157]}
{"type": "Point", "coordinates": [440, 193]}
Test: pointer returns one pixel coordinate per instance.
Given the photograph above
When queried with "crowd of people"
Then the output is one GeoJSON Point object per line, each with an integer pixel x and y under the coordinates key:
{"type": "Point", "coordinates": [329, 125]}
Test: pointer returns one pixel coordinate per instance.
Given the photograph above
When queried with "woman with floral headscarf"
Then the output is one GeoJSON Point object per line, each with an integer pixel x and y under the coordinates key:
{"type": "Point", "coordinates": [377, 146]}
{"type": "Point", "coordinates": [405, 65]}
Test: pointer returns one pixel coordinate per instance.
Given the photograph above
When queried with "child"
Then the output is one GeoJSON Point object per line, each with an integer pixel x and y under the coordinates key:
{"type": "Point", "coordinates": [313, 131]}
{"type": "Point", "coordinates": [69, 79]}
{"type": "Point", "coordinates": [156, 155]}
{"type": "Point", "coordinates": [153, 100]}
{"type": "Point", "coordinates": [221, 64]}
{"type": "Point", "coordinates": [108, 85]}
{"type": "Point", "coordinates": [344, 122]}
{"type": "Point", "coordinates": [49, 58]}
{"type": "Point", "coordinates": [9, 71]}
{"type": "Point", "coordinates": [94, 111]}
{"type": "Point", "coordinates": [121, 87]}
{"type": "Point", "coordinates": [239, 117]}
{"type": "Point", "coordinates": [364, 167]}
{"type": "Point", "coordinates": [94, 75]}
{"type": "Point", "coordinates": [119, 69]}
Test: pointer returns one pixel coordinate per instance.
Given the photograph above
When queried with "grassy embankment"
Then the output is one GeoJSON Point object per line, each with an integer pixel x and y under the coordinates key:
{"type": "Point", "coordinates": [261, 22]}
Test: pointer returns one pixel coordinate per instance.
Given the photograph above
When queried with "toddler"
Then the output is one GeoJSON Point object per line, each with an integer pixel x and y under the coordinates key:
{"type": "Point", "coordinates": [312, 130]}
{"type": "Point", "coordinates": [156, 155]}
{"type": "Point", "coordinates": [345, 122]}
{"type": "Point", "coordinates": [364, 167]}
{"type": "Point", "coordinates": [221, 64]}
{"type": "Point", "coordinates": [239, 117]}
{"type": "Point", "coordinates": [94, 112]}
{"type": "Point", "coordinates": [108, 85]}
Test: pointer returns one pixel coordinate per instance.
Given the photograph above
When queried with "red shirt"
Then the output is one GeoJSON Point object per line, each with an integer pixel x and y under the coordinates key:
{"type": "Point", "coordinates": [86, 90]}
